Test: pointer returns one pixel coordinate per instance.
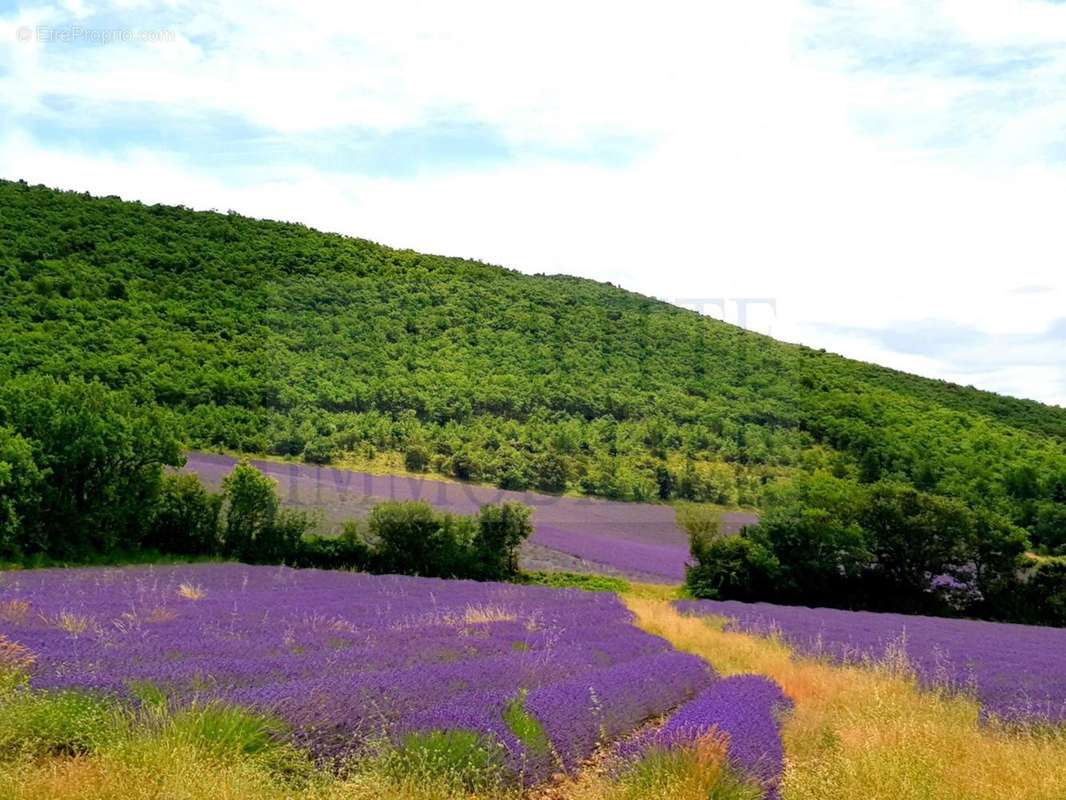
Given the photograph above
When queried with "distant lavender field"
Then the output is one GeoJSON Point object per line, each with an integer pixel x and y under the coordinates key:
{"type": "Point", "coordinates": [637, 540]}
{"type": "Point", "coordinates": [1017, 672]}
{"type": "Point", "coordinates": [349, 659]}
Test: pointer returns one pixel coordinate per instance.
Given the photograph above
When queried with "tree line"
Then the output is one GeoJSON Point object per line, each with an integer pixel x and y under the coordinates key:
{"type": "Point", "coordinates": [882, 546]}
{"type": "Point", "coordinates": [83, 474]}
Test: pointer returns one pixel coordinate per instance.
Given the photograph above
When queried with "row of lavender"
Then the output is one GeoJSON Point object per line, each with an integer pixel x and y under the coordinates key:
{"type": "Point", "coordinates": [1016, 672]}
{"type": "Point", "coordinates": [347, 659]}
{"type": "Point", "coordinates": [640, 540]}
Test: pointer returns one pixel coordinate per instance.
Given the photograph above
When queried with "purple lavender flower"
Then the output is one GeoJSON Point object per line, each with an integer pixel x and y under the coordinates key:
{"type": "Point", "coordinates": [1016, 672]}
{"type": "Point", "coordinates": [745, 710]}
{"type": "Point", "coordinates": [347, 660]}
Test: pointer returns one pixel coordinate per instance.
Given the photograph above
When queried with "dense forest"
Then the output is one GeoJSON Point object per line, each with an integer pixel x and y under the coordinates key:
{"type": "Point", "coordinates": [272, 337]}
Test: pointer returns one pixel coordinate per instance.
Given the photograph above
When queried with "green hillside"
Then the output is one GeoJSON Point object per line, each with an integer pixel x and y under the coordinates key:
{"type": "Point", "coordinates": [273, 337]}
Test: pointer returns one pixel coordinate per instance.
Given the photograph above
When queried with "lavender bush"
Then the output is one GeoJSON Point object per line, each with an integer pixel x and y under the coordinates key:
{"type": "Point", "coordinates": [348, 659]}
{"type": "Point", "coordinates": [744, 709]}
{"type": "Point", "coordinates": [1016, 672]}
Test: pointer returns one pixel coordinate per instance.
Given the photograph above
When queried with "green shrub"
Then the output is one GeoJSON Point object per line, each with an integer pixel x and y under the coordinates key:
{"type": "Point", "coordinates": [452, 758]}
{"type": "Point", "coordinates": [575, 580]}
{"type": "Point", "coordinates": [526, 728]}
{"type": "Point", "coordinates": [57, 723]}
{"type": "Point", "coordinates": [185, 519]}
{"type": "Point", "coordinates": [318, 451]}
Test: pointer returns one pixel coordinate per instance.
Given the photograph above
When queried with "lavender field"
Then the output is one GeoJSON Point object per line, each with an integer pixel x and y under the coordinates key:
{"type": "Point", "coordinates": [350, 660]}
{"type": "Point", "coordinates": [636, 540]}
{"type": "Point", "coordinates": [1016, 672]}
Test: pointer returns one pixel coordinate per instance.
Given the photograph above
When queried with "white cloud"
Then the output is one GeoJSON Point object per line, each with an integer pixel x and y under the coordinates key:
{"type": "Point", "coordinates": [782, 162]}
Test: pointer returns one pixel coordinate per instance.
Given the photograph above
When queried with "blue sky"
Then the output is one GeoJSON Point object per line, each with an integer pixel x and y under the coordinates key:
{"type": "Point", "coordinates": [890, 173]}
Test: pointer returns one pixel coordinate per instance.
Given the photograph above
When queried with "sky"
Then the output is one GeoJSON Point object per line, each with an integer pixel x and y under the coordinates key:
{"type": "Point", "coordinates": [884, 179]}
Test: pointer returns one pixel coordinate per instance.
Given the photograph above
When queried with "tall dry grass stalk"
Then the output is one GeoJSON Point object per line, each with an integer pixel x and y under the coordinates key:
{"type": "Point", "coordinates": [869, 733]}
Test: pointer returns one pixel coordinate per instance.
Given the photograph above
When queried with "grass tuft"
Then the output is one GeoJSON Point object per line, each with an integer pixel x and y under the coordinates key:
{"type": "Point", "coordinates": [190, 591]}
{"type": "Point", "coordinates": [451, 761]}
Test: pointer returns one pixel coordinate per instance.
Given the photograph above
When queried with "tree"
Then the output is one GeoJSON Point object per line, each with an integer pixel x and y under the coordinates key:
{"type": "Point", "coordinates": [500, 532]}
{"type": "Point", "coordinates": [410, 537]}
{"type": "Point", "coordinates": [1050, 528]}
{"type": "Point", "coordinates": [996, 548]}
{"type": "Point", "coordinates": [186, 517]}
{"type": "Point", "coordinates": [251, 511]}
{"type": "Point", "coordinates": [730, 568]}
{"type": "Point", "coordinates": [19, 494]}
{"type": "Point", "coordinates": [415, 458]}
{"type": "Point", "coordinates": [100, 456]}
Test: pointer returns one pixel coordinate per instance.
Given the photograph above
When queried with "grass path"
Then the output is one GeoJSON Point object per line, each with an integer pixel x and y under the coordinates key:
{"type": "Point", "coordinates": [861, 733]}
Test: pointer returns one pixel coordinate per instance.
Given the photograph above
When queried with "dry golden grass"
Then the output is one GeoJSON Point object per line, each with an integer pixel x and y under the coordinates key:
{"type": "Point", "coordinates": [696, 773]}
{"type": "Point", "coordinates": [14, 611]}
{"type": "Point", "coordinates": [14, 656]}
{"type": "Point", "coordinates": [190, 591]}
{"type": "Point", "coordinates": [482, 614]}
{"type": "Point", "coordinates": [859, 733]}
{"type": "Point", "coordinates": [185, 773]}
{"type": "Point", "coordinates": [74, 624]}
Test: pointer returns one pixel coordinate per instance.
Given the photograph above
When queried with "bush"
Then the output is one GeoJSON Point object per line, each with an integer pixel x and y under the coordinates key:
{"type": "Point", "coordinates": [730, 568]}
{"type": "Point", "coordinates": [413, 538]}
{"type": "Point", "coordinates": [1044, 594]}
{"type": "Point", "coordinates": [186, 517]}
{"type": "Point", "coordinates": [318, 451]}
{"type": "Point", "coordinates": [884, 546]}
{"type": "Point", "coordinates": [347, 551]}
{"type": "Point", "coordinates": [415, 458]}
{"type": "Point", "coordinates": [255, 528]}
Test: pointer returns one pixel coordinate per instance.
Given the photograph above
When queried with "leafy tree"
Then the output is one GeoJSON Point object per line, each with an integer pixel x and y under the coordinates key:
{"type": "Point", "coordinates": [914, 537]}
{"type": "Point", "coordinates": [99, 455]}
{"type": "Point", "coordinates": [410, 537]}
{"type": "Point", "coordinates": [734, 568]}
{"type": "Point", "coordinates": [1050, 528]}
{"type": "Point", "coordinates": [251, 511]}
{"type": "Point", "coordinates": [185, 517]}
{"type": "Point", "coordinates": [500, 532]}
{"type": "Point", "coordinates": [19, 493]}
{"type": "Point", "coordinates": [318, 451]}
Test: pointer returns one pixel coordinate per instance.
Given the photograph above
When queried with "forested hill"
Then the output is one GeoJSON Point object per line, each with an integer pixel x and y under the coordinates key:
{"type": "Point", "coordinates": [273, 337]}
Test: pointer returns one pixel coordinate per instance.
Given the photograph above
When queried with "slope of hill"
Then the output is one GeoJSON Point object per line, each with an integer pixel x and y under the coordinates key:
{"type": "Point", "coordinates": [272, 337]}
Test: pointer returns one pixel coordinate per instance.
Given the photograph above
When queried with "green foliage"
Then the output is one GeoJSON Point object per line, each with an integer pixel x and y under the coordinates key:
{"type": "Point", "coordinates": [225, 731]}
{"type": "Point", "coordinates": [270, 337]}
{"type": "Point", "coordinates": [453, 758]}
{"type": "Point", "coordinates": [885, 546]}
{"type": "Point", "coordinates": [57, 723]}
{"type": "Point", "coordinates": [252, 507]}
{"type": "Point", "coordinates": [413, 538]}
{"type": "Point", "coordinates": [500, 532]}
{"type": "Point", "coordinates": [526, 728]}
{"type": "Point", "coordinates": [732, 568]}
{"type": "Point", "coordinates": [255, 528]}
{"type": "Point", "coordinates": [185, 518]}
{"type": "Point", "coordinates": [80, 466]}
{"type": "Point", "coordinates": [697, 520]}
{"type": "Point", "coordinates": [318, 451]}
{"type": "Point", "coordinates": [20, 481]}
{"type": "Point", "coordinates": [1050, 528]}
{"type": "Point", "coordinates": [574, 580]}
{"type": "Point", "coordinates": [415, 458]}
